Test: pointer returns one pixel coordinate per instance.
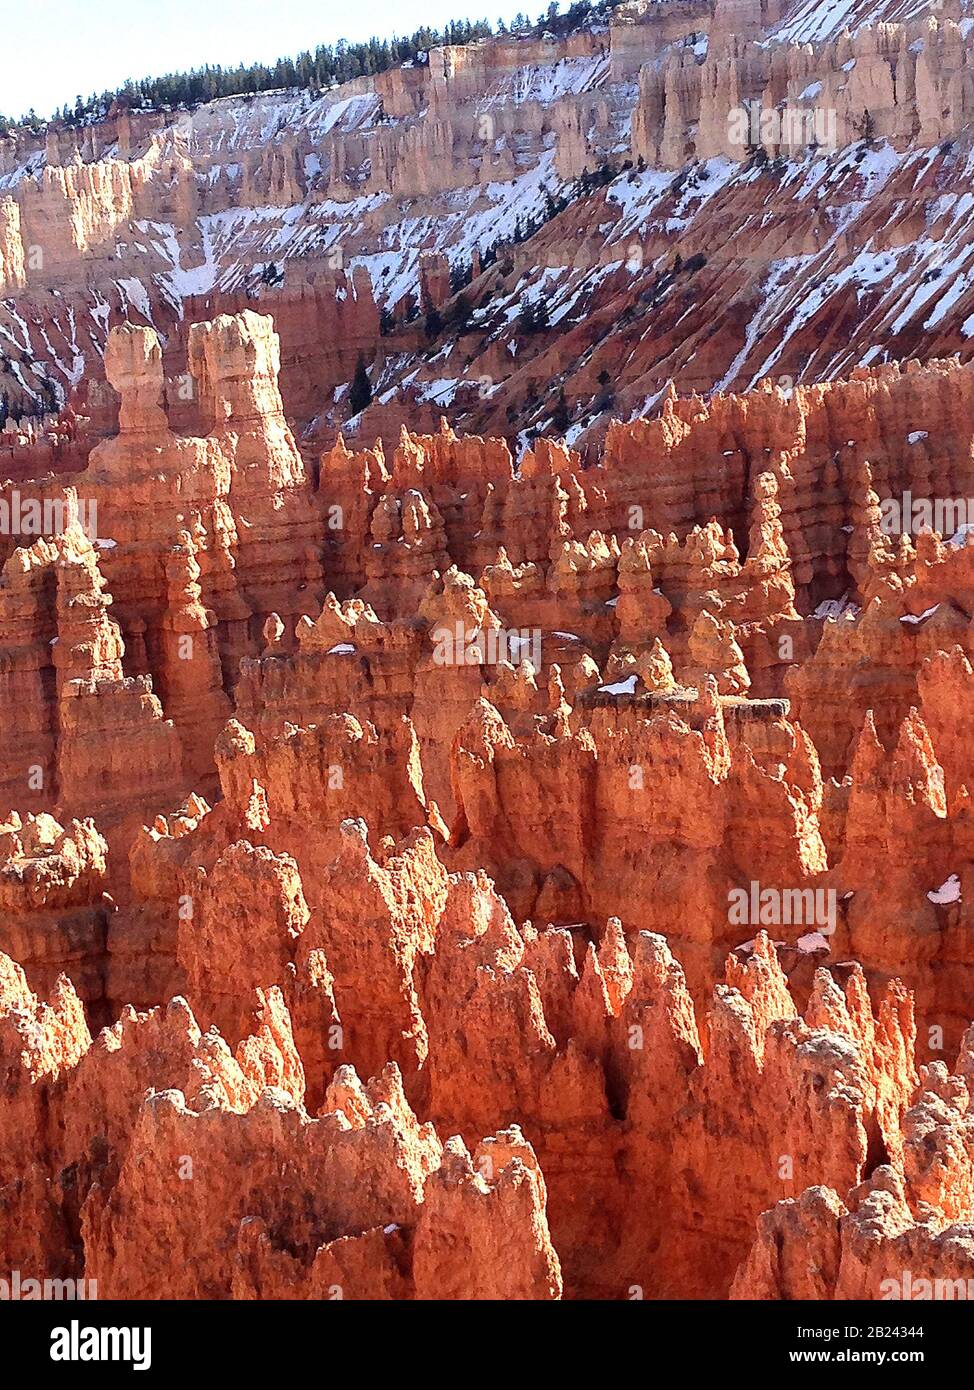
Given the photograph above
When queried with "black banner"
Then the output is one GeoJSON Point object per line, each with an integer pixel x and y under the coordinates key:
{"type": "Point", "coordinates": [173, 1339]}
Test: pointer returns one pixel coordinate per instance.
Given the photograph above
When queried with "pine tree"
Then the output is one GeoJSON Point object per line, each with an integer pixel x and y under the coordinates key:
{"type": "Point", "coordinates": [360, 394]}
{"type": "Point", "coordinates": [328, 66]}
{"type": "Point", "coordinates": [561, 419]}
{"type": "Point", "coordinates": [462, 311]}
{"type": "Point", "coordinates": [527, 317]}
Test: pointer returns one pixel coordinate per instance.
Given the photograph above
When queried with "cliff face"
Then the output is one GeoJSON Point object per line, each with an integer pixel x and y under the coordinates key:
{"type": "Point", "coordinates": [800, 168]}
{"type": "Point", "coordinates": [497, 868]}
{"type": "Point", "coordinates": [470, 830]}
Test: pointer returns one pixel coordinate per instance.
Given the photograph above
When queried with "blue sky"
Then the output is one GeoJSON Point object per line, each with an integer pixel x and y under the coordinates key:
{"type": "Point", "coordinates": [55, 49]}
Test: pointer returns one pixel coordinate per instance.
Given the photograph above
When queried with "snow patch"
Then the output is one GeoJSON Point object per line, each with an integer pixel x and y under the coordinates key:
{"type": "Point", "coordinates": [623, 687]}
{"type": "Point", "coordinates": [948, 892]}
{"type": "Point", "coordinates": [919, 617]}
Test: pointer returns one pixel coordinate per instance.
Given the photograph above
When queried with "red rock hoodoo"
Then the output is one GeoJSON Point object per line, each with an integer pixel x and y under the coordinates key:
{"type": "Point", "coordinates": [513, 840]}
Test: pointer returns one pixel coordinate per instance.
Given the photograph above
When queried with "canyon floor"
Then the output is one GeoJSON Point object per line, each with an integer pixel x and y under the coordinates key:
{"type": "Point", "coordinates": [513, 838]}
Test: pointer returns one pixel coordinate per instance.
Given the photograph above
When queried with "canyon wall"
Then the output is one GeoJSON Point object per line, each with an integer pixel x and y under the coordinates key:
{"type": "Point", "coordinates": [501, 831]}
{"type": "Point", "coordinates": [572, 859]}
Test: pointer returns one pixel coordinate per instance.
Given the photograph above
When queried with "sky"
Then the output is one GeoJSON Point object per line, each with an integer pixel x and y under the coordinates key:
{"type": "Point", "coordinates": [54, 50]}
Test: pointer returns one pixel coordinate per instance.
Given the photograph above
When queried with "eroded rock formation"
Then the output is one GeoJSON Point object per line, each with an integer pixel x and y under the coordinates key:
{"type": "Point", "coordinates": [568, 813]}
{"type": "Point", "coordinates": [453, 864]}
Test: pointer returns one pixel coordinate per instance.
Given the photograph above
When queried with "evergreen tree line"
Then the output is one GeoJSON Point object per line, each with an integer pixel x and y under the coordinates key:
{"type": "Point", "coordinates": [327, 65]}
{"type": "Point", "coordinates": [49, 404]}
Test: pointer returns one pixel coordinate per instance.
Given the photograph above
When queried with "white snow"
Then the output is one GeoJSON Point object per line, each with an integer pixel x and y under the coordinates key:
{"type": "Point", "coordinates": [549, 82]}
{"type": "Point", "coordinates": [959, 539]}
{"type": "Point", "coordinates": [831, 609]}
{"type": "Point", "coordinates": [440, 391]}
{"type": "Point", "coordinates": [135, 296]}
{"type": "Point", "coordinates": [816, 19]}
{"type": "Point", "coordinates": [623, 687]}
{"type": "Point", "coordinates": [919, 617]}
{"type": "Point", "coordinates": [948, 892]}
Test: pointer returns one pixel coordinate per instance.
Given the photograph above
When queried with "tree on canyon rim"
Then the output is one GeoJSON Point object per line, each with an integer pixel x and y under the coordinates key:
{"type": "Point", "coordinates": [361, 390]}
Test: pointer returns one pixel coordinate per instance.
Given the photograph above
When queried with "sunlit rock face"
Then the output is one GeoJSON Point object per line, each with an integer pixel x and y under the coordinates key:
{"type": "Point", "coordinates": [691, 192]}
{"type": "Point", "coordinates": [448, 851]}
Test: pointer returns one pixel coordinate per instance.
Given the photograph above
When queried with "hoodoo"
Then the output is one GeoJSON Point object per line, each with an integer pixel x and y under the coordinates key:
{"type": "Point", "coordinates": [486, 732]}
